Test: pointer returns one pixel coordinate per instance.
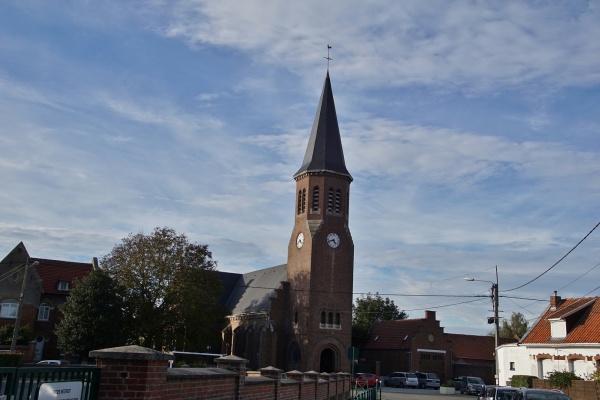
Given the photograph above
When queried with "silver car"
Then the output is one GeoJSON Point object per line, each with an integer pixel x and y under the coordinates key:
{"type": "Point", "coordinates": [402, 379]}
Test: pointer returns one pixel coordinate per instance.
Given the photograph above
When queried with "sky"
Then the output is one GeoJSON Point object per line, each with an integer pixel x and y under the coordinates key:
{"type": "Point", "coordinates": [471, 129]}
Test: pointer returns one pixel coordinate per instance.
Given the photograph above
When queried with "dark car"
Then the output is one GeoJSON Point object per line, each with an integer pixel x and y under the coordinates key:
{"type": "Point", "coordinates": [457, 382]}
{"type": "Point", "coordinates": [428, 380]}
{"type": "Point", "coordinates": [365, 380]}
{"type": "Point", "coordinates": [498, 393]}
{"type": "Point", "coordinates": [539, 394]}
{"type": "Point", "coordinates": [472, 385]}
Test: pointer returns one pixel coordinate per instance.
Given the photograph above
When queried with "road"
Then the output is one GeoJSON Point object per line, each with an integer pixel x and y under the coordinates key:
{"type": "Point", "coordinates": [388, 393]}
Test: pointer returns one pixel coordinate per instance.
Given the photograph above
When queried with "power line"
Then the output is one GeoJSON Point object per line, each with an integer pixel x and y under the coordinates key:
{"type": "Point", "coordinates": [556, 263]}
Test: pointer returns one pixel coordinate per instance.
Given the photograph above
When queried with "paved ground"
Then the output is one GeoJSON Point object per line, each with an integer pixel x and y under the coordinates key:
{"type": "Point", "coordinates": [419, 394]}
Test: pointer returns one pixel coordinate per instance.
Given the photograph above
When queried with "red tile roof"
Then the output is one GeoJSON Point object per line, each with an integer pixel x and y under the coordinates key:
{"type": "Point", "coordinates": [387, 335]}
{"type": "Point", "coordinates": [53, 271]}
{"type": "Point", "coordinates": [583, 322]}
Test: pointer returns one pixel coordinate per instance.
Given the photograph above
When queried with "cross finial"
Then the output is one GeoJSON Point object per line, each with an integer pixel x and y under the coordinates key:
{"type": "Point", "coordinates": [328, 58]}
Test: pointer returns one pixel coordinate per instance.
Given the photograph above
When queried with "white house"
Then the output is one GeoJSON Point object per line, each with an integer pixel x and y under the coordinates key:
{"type": "Point", "coordinates": [565, 338]}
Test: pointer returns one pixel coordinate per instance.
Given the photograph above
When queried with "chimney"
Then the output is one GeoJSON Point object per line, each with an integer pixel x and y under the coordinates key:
{"type": "Point", "coordinates": [430, 315]}
{"type": "Point", "coordinates": [554, 301]}
{"type": "Point", "coordinates": [95, 262]}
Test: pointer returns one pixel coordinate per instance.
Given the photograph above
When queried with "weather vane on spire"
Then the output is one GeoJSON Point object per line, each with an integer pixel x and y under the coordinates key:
{"type": "Point", "coordinates": [328, 58]}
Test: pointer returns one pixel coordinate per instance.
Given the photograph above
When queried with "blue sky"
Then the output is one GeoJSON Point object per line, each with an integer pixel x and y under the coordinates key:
{"type": "Point", "coordinates": [471, 129]}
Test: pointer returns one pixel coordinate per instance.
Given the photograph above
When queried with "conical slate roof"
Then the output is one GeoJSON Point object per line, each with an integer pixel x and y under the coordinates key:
{"type": "Point", "coordinates": [324, 151]}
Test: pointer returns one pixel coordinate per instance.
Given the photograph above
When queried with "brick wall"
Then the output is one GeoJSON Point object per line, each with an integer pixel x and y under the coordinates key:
{"type": "Point", "coordinates": [134, 372]}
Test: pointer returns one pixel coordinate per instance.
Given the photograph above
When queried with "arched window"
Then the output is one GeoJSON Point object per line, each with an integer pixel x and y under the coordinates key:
{"type": "Point", "coordinates": [299, 204]}
{"type": "Point", "coordinates": [295, 318]}
{"type": "Point", "coordinates": [9, 308]}
{"type": "Point", "coordinates": [330, 321]}
{"type": "Point", "coordinates": [44, 312]}
{"type": "Point", "coordinates": [295, 354]}
{"type": "Point", "coordinates": [338, 201]}
{"type": "Point", "coordinates": [337, 319]}
{"type": "Point", "coordinates": [315, 199]}
{"type": "Point", "coordinates": [323, 317]}
{"type": "Point", "coordinates": [330, 200]}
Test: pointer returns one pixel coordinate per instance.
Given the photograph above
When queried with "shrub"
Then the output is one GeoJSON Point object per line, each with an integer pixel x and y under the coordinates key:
{"type": "Point", "coordinates": [10, 360]}
{"type": "Point", "coordinates": [525, 381]}
{"type": "Point", "coordinates": [450, 383]}
{"type": "Point", "coordinates": [562, 379]}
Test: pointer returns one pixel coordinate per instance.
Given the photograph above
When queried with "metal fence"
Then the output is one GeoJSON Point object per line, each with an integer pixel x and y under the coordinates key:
{"type": "Point", "coordinates": [24, 383]}
{"type": "Point", "coordinates": [366, 393]}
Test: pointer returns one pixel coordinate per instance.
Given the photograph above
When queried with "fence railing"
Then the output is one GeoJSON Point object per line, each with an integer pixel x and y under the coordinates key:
{"type": "Point", "coordinates": [24, 383]}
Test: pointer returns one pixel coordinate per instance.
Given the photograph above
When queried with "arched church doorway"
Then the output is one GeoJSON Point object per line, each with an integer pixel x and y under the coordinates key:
{"type": "Point", "coordinates": [328, 361]}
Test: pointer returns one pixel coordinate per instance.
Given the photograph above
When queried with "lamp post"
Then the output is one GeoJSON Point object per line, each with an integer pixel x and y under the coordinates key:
{"type": "Point", "coordinates": [13, 344]}
{"type": "Point", "coordinates": [495, 304]}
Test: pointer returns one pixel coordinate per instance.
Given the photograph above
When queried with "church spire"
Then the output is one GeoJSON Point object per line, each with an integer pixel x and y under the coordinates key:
{"type": "Point", "coordinates": [324, 152]}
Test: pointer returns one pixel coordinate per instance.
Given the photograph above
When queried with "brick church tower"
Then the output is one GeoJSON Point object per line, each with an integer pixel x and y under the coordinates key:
{"type": "Point", "coordinates": [298, 316]}
{"type": "Point", "coordinates": [320, 262]}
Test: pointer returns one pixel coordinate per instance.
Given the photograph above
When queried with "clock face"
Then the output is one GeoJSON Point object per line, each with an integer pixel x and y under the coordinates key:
{"type": "Point", "coordinates": [431, 337]}
{"type": "Point", "coordinates": [300, 240]}
{"type": "Point", "coordinates": [333, 240]}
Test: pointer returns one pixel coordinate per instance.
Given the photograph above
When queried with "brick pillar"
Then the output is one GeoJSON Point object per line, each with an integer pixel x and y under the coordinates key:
{"type": "Point", "coordinates": [238, 365]}
{"type": "Point", "coordinates": [273, 373]}
{"type": "Point", "coordinates": [131, 372]}
{"type": "Point", "coordinates": [298, 377]}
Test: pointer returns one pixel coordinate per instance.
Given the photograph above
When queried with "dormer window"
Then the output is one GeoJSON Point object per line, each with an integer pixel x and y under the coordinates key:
{"type": "Point", "coordinates": [63, 286]}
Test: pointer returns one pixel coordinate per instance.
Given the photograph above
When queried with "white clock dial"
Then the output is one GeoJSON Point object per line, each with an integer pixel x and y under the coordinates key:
{"type": "Point", "coordinates": [300, 240]}
{"type": "Point", "coordinates": [333, 240]}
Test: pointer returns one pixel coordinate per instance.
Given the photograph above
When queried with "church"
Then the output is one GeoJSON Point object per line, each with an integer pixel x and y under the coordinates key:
{"type": "Point", "coordinates": [298, 316]}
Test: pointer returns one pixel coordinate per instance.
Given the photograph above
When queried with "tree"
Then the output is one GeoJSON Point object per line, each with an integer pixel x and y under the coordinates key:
{"type": "Point", "coordinates": [171, 288]}
{"type": "Point", "coordinates": [368, 310]}
{"type": "Point", "coordinates": [517, 327]}
{"type": "Point", "coordinates": [92, 316]}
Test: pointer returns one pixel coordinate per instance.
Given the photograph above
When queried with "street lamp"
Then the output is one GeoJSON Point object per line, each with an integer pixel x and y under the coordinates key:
{"type": "Point", "coordinates": [495, 304]}
{"type": "Point", "coordinates": [13, 344]}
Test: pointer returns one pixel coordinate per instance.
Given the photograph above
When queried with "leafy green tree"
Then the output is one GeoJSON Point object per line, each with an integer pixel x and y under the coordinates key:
{"type": "Point", "coordinates": [369, 309]}
{"type": "Point", "coordinates": [171, 287]}
{"type": "Point", "coordinates": [24, 336]}
{"type": "Point", "coordinates": [517, 327]}
{"type": "Point", "coordinates": [92, 316]}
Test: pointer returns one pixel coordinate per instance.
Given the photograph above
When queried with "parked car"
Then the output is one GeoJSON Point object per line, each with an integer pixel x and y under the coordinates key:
{"type": "Point", "coordinates": [49, 362]}
{"type": "Point", "coordinates": [539, 394]}
{"type": "Point", "coordinates": [365, 380]}
{"type": "Point", "coordinates": [402, 379]}
{"type": "Point", "coordinates": [428, 380]}
{"type": "Point", "coordinates": [457, 382]}
{"type": "Point", "coordinates": [472, 385]}
{"type": "Point", "coordinates": [498, 393]}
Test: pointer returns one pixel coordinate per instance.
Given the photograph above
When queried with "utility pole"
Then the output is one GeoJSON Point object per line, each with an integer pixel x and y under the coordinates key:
{"type": "Point", "coordinates": [13, 344]}
{"type": "Point", "coordinates": [496, 323]}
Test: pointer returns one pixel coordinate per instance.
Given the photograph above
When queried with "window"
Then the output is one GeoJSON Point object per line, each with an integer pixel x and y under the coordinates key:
{"type": "Point", "coordinates": [299, 203]}
{"type": "Point", "coordinates": [330, 200]}
{"type": "Point", "coordinates": [511, 366]}
{"type": "Point", "coordinates": [9, 309]}
{"type": "Point", "coordinates": [44, 312]}
{"type": "Point", "coordinates": [63, 285]}
{"type": "Point", "coordinates": [338, 201]}
{"type": "Point", "coordinates": [315, 199]}
{"type": "Point", "coordinates": [303, 201]}
{"type": "Point", "coordinates": [328, 322]}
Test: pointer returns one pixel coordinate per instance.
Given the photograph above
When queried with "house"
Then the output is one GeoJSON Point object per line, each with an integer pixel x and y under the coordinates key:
{"type": "Point", "coordinates": [422, 345]}
{"type": "Point", "coordinates": [38, 286]}
{"type": "Point", "coordinates": [297, 316]}
{"type": "Point", "coordinates": [566, 337]}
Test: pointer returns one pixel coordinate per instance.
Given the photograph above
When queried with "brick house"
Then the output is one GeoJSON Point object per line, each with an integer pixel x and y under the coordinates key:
{"type": "Point", "coordinates": [297, 316]}
{"type": "Point", "coordinates": [422, 345]}
{"type": "Point", "coordinates": [46, 287]}
{"type": "Point", "coordinates": [566, 337]}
